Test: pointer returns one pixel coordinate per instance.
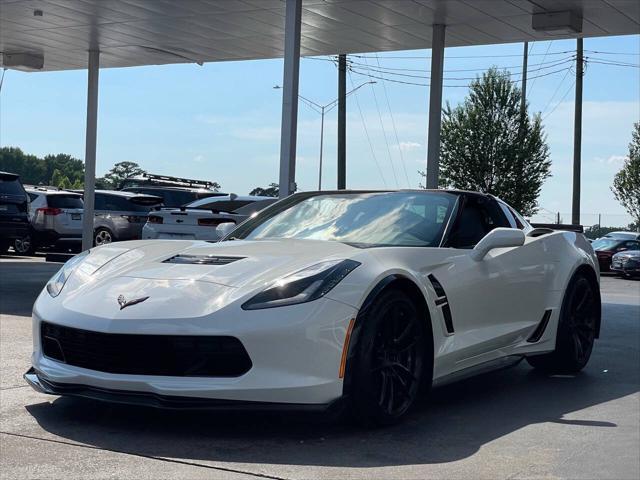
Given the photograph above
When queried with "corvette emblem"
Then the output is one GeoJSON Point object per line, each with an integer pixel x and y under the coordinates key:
{"type": "Point", "coordinates": [122, 301]}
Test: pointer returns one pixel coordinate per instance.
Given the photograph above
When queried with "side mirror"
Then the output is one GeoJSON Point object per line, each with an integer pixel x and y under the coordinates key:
{"type": "Point", "coordinates": [223, 229]}
{"type": "Point", "coordinates": [498, 238]}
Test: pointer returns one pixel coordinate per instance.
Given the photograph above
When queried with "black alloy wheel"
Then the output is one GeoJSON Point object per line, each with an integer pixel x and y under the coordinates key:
{"type": "Point", "coordinates": [576, 330]}
{"type": "Point", "coordinates": [390, 362]}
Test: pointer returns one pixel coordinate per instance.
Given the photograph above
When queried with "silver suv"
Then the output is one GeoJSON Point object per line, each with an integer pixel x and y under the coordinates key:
{"type": "Point", "coordinates": [56, 219]}
{"type": "Point", "coordinates": [121, 215]}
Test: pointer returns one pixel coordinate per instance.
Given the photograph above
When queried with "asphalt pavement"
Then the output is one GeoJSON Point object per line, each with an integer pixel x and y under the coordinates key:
{"type": "Point", "coordinates": [508, 424]}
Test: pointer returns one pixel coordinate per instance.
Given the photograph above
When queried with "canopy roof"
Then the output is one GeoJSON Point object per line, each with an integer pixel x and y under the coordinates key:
{"type": "Point", "coordinates": [152, 32]}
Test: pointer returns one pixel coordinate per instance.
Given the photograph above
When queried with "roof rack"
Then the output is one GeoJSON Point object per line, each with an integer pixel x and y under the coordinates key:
{"type": "Point", "coordinates": [177, 181]}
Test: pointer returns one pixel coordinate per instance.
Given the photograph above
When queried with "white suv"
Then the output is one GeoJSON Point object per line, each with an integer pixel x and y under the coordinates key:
{"type": "Point", "coordinates": [56, 218]}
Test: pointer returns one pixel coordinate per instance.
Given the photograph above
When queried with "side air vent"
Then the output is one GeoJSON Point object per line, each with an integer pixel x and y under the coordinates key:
{"type": "Point", "coordinates": [443, 303]}
{"type": "Point", "coordinates": [202, 259]}
{"type": "Point", "coordinates": [542, 326]}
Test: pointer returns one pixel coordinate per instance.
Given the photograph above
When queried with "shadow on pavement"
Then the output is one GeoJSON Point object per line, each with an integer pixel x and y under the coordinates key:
{"type": "Point", "coordinates": [454, 423]}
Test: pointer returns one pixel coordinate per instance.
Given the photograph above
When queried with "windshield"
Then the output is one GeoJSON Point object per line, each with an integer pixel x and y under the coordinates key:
{"type": "Point", "coordinates": [606, 243]}
{"type": "Point", "coordinates": [362, 219]}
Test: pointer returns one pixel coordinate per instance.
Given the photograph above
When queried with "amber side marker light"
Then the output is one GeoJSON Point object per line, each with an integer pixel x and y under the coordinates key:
{"type": "Point", "coordinates": [345, 348]}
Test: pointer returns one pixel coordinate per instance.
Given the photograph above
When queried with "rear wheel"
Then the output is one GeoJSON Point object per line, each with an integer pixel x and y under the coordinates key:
{"type": "Point", "coordinates": [576, 330]}
{"type": "Point", "coordinates": [24, 245]}
{"type": "Point", "coordinates": [102, 236]}
{"type": "Point", "coordinates": [389, 363]}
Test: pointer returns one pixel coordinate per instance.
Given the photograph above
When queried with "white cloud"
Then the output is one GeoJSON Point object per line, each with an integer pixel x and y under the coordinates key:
{"type": "Point", "coordinates": [613, 160]}
{"type": "Point", "coordinates": [408, 146]}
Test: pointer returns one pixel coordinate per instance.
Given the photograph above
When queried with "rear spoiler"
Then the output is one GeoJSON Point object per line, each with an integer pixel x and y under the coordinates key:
{"type": "Point", "coordinates": [559, 226]}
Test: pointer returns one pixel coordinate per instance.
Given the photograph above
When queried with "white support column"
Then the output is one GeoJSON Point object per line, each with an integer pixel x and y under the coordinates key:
{"type": "Point", "coordinates": [435, 106]}
{"type": "Point", "coordinates": [289, 128]}
{"type": "Point", "coordinates": [90, 150]}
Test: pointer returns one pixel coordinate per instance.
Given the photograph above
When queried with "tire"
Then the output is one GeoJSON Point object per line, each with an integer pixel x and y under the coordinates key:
{"type": "Point", "coordinates": [577, 329]}
{"type": "Point", "coordinates": [4, 247]}
{"type": "Point", "coordinates": [24, 245]}
{"type": "Point", "coordinates": [389, 364]}
{"type": "Point", "coordinates": [102, 236]}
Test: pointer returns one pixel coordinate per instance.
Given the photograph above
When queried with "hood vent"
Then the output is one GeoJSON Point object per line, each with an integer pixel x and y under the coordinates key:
{"type": "Point", "coordinates": [201, 259]}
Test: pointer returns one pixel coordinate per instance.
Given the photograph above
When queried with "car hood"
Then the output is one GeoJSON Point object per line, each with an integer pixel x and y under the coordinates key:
{"type": "Point", "coordinates": [233, 264]}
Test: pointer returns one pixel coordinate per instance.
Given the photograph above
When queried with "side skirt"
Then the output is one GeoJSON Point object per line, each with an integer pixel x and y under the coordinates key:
{"type": "Point", "coordinates": [486, 367]}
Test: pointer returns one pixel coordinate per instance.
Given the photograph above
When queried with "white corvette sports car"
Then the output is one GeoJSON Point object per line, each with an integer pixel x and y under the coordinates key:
{"type": "Point", "coordinates": [353, 300]}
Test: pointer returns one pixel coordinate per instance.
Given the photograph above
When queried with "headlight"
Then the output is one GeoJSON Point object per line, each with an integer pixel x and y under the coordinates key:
{"type": "Point", "coordinates": [303, 286]}
{"type": "Point", "coordinates": [55, 285]}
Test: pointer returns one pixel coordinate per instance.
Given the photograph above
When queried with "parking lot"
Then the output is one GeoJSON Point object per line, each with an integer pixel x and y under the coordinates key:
{"type": "Point", "coordinates": [508, 424]}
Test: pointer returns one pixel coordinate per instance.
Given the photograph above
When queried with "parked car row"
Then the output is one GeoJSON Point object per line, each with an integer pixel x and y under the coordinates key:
{"type": "Point", "coordinates": [36, 217]}
{"type": "Point", "coordinates": [619, 252]}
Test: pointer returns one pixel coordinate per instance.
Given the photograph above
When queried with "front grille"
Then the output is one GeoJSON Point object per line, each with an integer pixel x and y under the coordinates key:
{"type": "Point", "coordinates": [166, 355]}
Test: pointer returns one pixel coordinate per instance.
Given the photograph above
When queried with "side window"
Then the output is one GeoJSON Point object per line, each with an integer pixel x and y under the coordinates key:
{"type": "Point", "coordinates": [100, 202]}
{"type": "Point", "coordinates": [32, 197]}
{"type": "Point", "coordinates": [478, 217]}
{"type": "Point", "coordinates": [632, 245]}
{"type": "Point", "coordinates": [510, 217]}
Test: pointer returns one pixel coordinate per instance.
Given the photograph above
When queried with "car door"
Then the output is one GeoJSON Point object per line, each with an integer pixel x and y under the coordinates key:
{"type": "Point", "coordinates": [493, 303]}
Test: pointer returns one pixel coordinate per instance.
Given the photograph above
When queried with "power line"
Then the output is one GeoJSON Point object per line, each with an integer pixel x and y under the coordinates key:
{"type": "Point", "coordinates": [545, 56]}
{"type": "Point", "coordinates": [385, 71]}
{"type": "Point", "coordinates": [395, 130]}
{"type": "Point", "coordinates": [560, 101]}
{"type": "Point", "coordinates": [368, 74]}
{"type": "Point", "coordinates": [398, 57]}
{"type": "Point", "coordinates": [384, 134]}
{"type": "Point", "coordinates": [501, 67]}
{"type": "Point", "coordinates": [366, 132]}
{"type": "Point", "coordinates": [556, 91]}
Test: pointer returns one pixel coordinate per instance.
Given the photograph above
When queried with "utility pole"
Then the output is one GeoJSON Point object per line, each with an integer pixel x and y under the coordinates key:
{"type": "Point", "coordinates": [577, 135]}
{"type": "Point", "coordinates": [321, 145]}
{"type": "Point", "coordinates": [342, 122]}
{"type": "Point", "coordinates": [523, 102]}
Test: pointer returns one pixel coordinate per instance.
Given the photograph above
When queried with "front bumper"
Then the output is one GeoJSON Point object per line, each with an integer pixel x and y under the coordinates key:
{"type": "Point", "coordinates": [295, 353]}
{"type": "Point", "coordinates": [172, 402]}
{"type": "Point", "coordinates": [627, 268]}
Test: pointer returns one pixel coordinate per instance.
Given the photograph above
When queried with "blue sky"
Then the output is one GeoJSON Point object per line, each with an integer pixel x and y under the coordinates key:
{"type": "Point", "coordinates": [221, 121]}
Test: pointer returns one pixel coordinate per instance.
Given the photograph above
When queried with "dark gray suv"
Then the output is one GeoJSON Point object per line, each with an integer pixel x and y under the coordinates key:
{"type": "Point", "coordinates": [121, 215]}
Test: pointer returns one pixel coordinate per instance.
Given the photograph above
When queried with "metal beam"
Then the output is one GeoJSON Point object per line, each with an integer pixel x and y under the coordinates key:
{"type": "Point", "coordinates": [435, 106]}
{"type": "Point", "coordinates": [577, 136]}
{"type": "Point", "coordinates": [90, 149]}
{"type": "Point", "coordinates": [342, 122]}
{"type": "Point", "coordinates": [290, 80]}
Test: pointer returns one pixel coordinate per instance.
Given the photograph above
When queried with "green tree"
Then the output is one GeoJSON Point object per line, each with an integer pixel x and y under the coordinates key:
{"type": "Point", "coordinates": [58, 179]}
{"type": "Point", "coordinates": [273, 190]}
{"type": "Point", "coordinates": [31, 169]}
{"type": "Point", "coordinates": [489, 144]}
{"type": "Point", "coordinates": [120, 171]}
{"type": "Point", "coordinates": [70, 167]}
{"type": "Point", "coordinates": [626, 183]}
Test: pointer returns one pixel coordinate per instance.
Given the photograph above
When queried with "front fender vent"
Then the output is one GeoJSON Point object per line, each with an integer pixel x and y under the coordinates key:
{"type": "Point", "coordinates": [202, 259]}
{"type": "Point", "coordinates": [443, 303]}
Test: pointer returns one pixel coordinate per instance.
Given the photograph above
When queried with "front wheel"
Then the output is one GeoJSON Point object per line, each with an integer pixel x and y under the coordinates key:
{"type": "Point", "coordinates": [577, 329]}
{"type": "Point", "coordinates": [389, 364]}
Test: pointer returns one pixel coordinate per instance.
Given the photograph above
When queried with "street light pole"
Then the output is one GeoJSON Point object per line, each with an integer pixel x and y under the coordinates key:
{"type": "Point", "coordinates": [321, 142]}
{"type": "Point", "coordinates": [322, 109]}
